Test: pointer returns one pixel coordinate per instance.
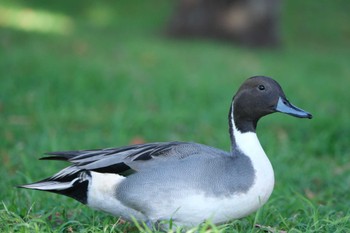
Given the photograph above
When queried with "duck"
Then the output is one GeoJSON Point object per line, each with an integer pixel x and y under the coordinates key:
{"type": "Point", "coordinates": [185, 182]}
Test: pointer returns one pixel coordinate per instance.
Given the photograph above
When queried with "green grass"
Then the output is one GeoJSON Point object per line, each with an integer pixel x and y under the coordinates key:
{"type": "Point", "coordinates": [110, 77]}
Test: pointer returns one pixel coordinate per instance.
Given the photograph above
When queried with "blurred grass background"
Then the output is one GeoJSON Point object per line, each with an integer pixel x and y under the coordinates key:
{"type": "Point", "coordinates": [88, 74]}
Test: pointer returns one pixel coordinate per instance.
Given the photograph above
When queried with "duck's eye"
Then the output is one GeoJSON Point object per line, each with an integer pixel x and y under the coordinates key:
{"type": "Point", "coordinates": [261, 87]}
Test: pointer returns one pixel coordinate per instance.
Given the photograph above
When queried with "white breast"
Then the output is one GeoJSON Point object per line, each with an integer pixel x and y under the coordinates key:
{"type": "Point", "coordinates": [259, 193]}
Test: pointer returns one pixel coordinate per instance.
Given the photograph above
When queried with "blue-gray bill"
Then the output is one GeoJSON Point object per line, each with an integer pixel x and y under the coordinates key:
{"type": "Point", "coordinates": [285, 106]}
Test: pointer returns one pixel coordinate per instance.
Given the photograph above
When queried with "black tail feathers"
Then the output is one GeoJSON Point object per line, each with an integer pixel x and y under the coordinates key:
{"type": "Point", "coordinates": [72, 185]}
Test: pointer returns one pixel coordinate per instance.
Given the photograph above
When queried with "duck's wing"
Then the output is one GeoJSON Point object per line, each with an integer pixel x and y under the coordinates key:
{"type": "Point", "coordinates": [130, 158]}
{"type": "Point", "coordinates": [74, 180]}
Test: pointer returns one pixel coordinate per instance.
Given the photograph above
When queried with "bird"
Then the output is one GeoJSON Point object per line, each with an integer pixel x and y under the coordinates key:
{"type": "Point", "coordinates": [185, 182]}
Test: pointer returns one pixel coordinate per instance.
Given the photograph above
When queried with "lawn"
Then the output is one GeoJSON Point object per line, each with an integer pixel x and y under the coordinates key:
{"type": "Point", "coordinates": [85, 74]}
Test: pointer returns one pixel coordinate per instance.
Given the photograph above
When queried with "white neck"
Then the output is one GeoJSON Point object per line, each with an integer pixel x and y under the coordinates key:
{"type": "Point", "coordinates": [248, 144]}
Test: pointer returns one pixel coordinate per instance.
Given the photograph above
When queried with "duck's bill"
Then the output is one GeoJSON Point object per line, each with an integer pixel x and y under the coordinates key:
{"type": "Point", "coordinates": [285, 106]}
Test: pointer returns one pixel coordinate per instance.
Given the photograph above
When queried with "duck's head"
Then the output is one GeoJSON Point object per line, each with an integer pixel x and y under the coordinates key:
{"type": "Point", "coordinates": [259, 96]}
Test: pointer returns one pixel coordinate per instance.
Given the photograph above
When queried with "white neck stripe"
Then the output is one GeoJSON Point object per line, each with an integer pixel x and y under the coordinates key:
{"type": "Point", "coordinates": [247, 142]}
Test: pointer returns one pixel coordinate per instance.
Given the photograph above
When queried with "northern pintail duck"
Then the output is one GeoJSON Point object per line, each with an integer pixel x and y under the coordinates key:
{"type": "Point", "coordinates": [183, 181]}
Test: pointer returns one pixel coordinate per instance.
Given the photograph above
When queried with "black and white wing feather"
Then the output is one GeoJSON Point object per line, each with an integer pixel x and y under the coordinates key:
{"type": "Point", "coordinates": [73, 180]}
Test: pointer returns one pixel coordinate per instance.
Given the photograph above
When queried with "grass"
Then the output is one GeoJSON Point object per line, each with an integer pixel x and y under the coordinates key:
{"type": "Point", "coordinates": [106, 76]}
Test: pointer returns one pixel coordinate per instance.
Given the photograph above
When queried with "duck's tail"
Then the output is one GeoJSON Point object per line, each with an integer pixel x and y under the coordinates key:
{"type": "Point", "coordinates": [70, 182]}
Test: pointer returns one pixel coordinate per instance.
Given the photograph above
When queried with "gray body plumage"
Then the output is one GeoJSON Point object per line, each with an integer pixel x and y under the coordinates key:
{"type": "Point", "coordinates": [188, 174]}
{"type": "Point", "coordinates": [154, 164]}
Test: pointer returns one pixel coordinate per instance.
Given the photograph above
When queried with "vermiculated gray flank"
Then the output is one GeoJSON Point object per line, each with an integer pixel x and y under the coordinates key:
{"type": "Point", "coordinates": [183, 181]}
